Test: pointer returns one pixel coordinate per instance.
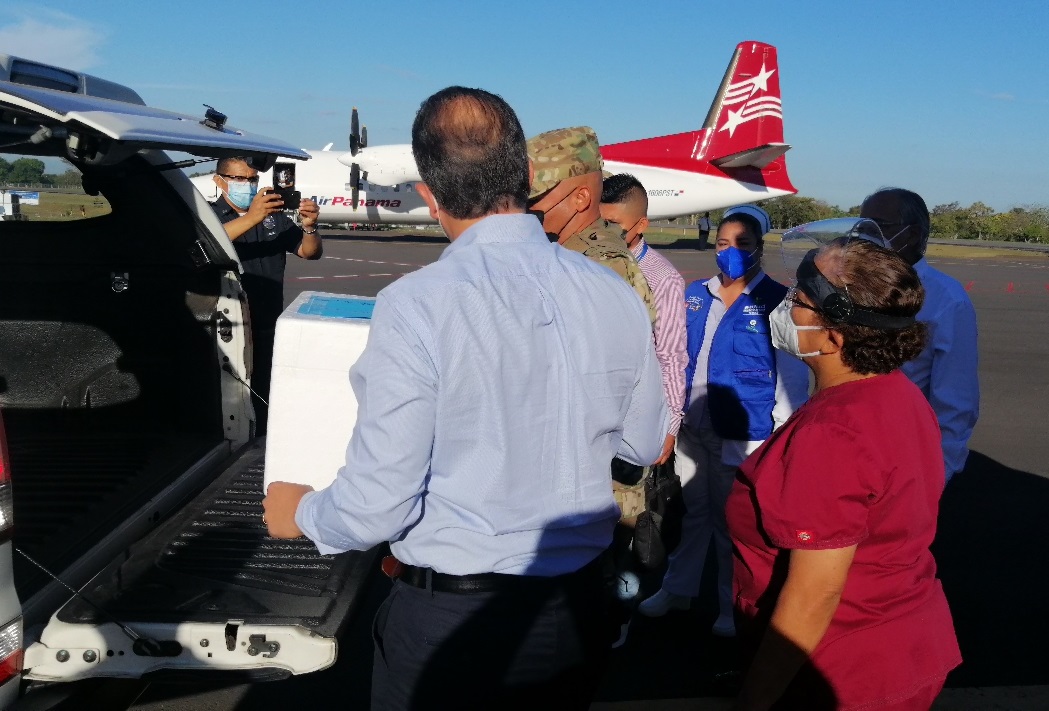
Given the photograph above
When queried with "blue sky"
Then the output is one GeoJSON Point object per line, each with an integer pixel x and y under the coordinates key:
{"type": "Point", "coordinates": [948, 98]}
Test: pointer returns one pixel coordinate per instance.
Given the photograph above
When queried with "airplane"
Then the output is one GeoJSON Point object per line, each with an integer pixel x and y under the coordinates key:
{"type": "Point", "coordinates": [736, 157]}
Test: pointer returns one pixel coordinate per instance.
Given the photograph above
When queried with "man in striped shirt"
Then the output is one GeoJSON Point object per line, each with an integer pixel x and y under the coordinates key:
{"type": "Point", "coordinates": [624, 201]}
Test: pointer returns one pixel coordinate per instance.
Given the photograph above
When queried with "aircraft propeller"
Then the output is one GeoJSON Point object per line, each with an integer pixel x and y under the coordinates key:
{"type": "Point", "coordinates": [355, 184]}
{"type": "Point", "coordinates": [358, 140]}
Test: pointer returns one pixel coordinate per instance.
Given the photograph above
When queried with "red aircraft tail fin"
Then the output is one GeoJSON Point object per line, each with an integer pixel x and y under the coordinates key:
{"type": "Point", "coordinates": [747, 112]}
{"type": "Point", "coordinates": [742, 137]}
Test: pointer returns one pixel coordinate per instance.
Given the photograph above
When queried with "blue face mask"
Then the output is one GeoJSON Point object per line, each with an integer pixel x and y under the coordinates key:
{"type": "Point", "coordinates": [241, 194]}
{"type": "Point", "coordinates": [734, 262]}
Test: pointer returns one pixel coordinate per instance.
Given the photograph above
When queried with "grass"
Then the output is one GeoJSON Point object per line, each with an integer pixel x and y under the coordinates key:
{"type": "Point", "coordinates": [56, 206]}
{"type": "Point", "coordinates": [964, 251]}
{"type": "Point", "coordinates": [661, 236]}
{"type": "Point", "coordinates": [66, 206]}
{"type": "Point", "coordinates": [669, 235]}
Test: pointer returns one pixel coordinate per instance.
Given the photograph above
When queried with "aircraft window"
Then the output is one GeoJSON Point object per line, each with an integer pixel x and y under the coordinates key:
{"type": "Point", "coordinates": [28, 192]}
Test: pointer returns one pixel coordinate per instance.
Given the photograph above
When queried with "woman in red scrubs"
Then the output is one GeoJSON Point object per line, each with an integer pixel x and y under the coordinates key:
{"type": "Point", "coordinates": [831, 519]}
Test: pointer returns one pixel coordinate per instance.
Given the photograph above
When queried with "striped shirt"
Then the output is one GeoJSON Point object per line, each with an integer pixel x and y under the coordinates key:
{"type": "Point", "coordinates": [668, 288]}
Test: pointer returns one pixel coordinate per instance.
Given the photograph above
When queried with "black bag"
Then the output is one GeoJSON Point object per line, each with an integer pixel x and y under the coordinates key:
{"type": "Point", "coordinates": [658, 528]}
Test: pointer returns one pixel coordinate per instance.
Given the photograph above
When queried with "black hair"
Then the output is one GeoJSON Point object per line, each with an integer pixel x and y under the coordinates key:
{"type": "Point", "coordinates": [471, 153]}
{"type": "Point", "coordinates": [913, 211]}
{"type": "Point", "coordinates": [619, 188]}
{"type": "Point", "coordinates": [223, 165]}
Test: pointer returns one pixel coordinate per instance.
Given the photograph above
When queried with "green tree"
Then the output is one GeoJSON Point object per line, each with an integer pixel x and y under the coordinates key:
{"type": "Point", "coordinates": [68, 179]}
{"type": "Point", "coordinates": [26, 171]}
{"type": "Point", "coordinates": [977, 223]}
{"type": "Point", "coordinates": [1030, 224]}
{"type": "Point", "coordinates": [944, 221]}
{"type": "Point", "coordinates": [792, 210]}
{"type": "Point", "coordinates": [4, 168]}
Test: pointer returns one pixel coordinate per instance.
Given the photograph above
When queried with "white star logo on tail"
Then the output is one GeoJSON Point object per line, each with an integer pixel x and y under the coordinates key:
{"type": "Point", "coordinates": [753, 107]}
{"type": "Point", "coordinates": [762, 79]}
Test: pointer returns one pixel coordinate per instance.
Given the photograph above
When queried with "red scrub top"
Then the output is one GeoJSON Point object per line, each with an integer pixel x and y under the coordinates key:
{"type": "Point", "coordinates": [858, 464]}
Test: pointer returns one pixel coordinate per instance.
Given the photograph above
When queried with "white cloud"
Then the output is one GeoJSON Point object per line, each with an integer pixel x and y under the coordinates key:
{"type": "Point", "coordinates": [51, 37]}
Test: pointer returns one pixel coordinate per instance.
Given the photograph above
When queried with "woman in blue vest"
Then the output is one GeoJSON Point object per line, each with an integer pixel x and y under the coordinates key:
{"type": "Point", "coordinates": [738, 389]}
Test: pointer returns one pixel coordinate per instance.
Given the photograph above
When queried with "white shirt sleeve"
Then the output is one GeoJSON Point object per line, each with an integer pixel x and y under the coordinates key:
{"type": "Point", "coordinates": [792, 387]}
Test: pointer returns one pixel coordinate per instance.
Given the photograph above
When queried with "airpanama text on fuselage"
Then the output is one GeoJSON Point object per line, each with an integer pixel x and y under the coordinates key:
{"type": "Point", "coordinates": [348, 201]}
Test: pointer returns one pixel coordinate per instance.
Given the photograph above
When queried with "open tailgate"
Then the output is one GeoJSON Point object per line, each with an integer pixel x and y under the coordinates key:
{"type": "Point", "coordinates": [214, 591]}
{"type": "Point", "coordinates": [125, 127]}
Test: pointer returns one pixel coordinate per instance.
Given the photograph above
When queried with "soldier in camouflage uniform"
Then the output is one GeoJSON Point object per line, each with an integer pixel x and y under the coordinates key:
{"type": "Point", "coordinates": [566, 190]}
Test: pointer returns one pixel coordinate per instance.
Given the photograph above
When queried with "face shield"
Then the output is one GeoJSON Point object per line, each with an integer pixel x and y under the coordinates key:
{"type": "Point", "coordinates": [800, 246]}
{"type": "Point", "coordinates": [798, 241]}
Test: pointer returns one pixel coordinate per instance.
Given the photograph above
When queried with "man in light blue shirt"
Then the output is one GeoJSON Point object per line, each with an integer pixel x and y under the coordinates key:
{"type": "Point", "coordinates": [496, 387]}
{"type": "Point", "coordinates": [946, 371]}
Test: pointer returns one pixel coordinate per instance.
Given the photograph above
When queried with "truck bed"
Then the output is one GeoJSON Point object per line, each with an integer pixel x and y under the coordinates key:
{"type": "Point", "coordinates": [214, 562]}
{"type": "Point", "coordinates": [73, 488]}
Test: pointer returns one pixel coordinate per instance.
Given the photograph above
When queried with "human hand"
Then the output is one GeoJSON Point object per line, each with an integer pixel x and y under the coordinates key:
{"type": "Point", "coordinates": [266, 203]}
{"type": "Point", "coordinates": [279, 507]}
{"type": "Point", "coordinates": [308, 213]}
{"type": "Point", "coordinates": [668, 447]}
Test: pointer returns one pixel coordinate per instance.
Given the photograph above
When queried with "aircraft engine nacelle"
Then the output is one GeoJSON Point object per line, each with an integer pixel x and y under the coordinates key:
{"type": "Point", "coordinates": [384, 165]}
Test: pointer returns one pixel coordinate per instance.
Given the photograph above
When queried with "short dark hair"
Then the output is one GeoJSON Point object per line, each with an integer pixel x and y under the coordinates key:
{"type": "Point", "coordinates": [877, 279]}
{"type": "Point", "coordinates": [223, 165]}
{"type": "Point", "coordinates": [913, 210]}
{"type": "Point", "coordinates": [619, 188]}
{"type": "Point", "coordinates": [470, 151]}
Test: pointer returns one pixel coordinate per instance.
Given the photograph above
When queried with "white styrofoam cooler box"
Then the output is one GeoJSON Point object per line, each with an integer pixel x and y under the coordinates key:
{"type": "Point", "coordinates": [312, 408]}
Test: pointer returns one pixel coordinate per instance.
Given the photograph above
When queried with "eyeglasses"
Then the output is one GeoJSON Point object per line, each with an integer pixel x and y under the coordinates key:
{"type": "Point", "coordinates": [792, 299]}
{"type": "Point", "coordinates": [253, 180]}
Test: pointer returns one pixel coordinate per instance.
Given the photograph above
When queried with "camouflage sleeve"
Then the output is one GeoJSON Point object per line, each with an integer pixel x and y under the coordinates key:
{"type": "Point", "coordinates": [626, 266]}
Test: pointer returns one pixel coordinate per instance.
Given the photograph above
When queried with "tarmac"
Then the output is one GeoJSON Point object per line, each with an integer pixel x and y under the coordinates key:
{"type": "Point", "coordinates": [990, 546]}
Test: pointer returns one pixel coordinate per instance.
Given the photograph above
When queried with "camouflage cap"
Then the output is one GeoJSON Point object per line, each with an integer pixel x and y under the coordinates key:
{"type": "Point", "coordinates": [562, 154]}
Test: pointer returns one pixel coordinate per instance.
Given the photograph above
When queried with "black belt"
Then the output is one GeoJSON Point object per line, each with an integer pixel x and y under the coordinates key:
{"type": "Point", "coordinates": [426, 578]}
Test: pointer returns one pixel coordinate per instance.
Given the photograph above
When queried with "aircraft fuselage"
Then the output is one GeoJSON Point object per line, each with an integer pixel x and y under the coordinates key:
{"type": "Point", "coordinates": [325, 180]}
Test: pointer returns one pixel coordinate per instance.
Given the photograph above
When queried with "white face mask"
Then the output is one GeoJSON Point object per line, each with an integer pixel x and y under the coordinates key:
{"type": "Point", "coordinates": [785, 331]}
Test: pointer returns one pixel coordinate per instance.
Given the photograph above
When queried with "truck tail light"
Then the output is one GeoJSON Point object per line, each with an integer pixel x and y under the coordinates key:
{"type": "Point", "coordinates": [11, 634]}
{"type": "Point", "coordinates": [6, 501]}
{"type": "Point", "coordinates": [11, 650]}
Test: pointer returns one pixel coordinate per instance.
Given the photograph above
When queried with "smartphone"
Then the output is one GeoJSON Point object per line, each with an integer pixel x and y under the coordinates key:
{"type": "Point", "coordinates": [284, 185]}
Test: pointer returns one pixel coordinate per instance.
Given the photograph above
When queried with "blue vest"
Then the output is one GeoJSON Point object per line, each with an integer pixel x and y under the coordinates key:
{"type": "Point", "coordinates": [741, 370]}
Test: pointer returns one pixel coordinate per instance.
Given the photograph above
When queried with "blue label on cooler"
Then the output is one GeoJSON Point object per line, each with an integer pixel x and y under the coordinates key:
{"type": "Point", "coordinates": [350, 307]}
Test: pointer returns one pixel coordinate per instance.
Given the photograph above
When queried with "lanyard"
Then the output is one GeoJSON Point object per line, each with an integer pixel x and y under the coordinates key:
{"type": "Point", "coordinates": [644, 251]}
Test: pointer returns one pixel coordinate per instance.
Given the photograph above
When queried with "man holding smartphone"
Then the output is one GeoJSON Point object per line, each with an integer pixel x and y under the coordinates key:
{"type": "Point", "coordinates": [263, 235]}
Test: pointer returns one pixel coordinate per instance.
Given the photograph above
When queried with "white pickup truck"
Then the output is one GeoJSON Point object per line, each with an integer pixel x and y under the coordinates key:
{"type": "Point", "coordinates": [129, 469]}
